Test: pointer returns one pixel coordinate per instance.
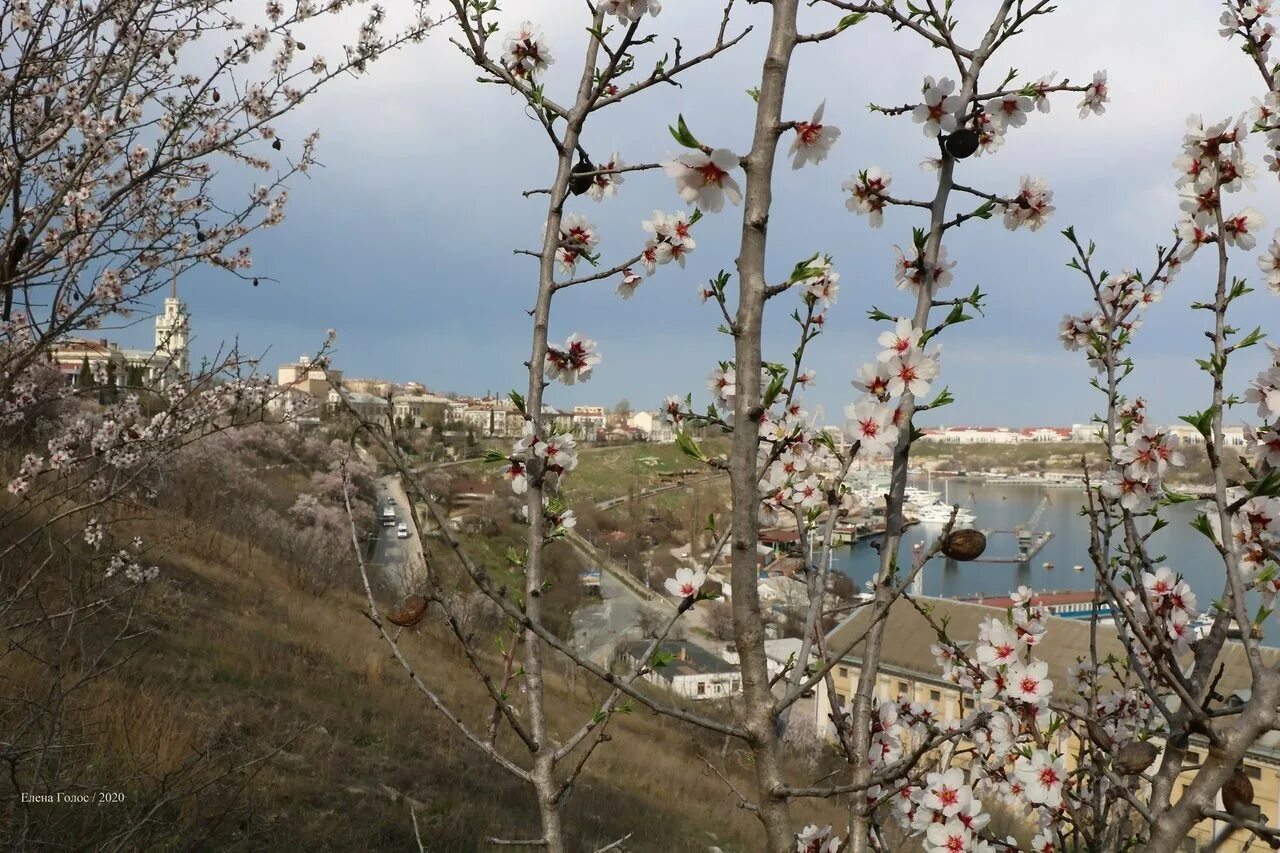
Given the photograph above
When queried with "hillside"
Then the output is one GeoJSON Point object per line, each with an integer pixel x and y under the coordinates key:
{"type": "Point", "coordinates": [258, 710]}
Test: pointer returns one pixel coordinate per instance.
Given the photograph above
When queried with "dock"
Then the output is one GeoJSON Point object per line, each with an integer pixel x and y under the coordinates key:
{"type": "Point", "coordinates": [1027, 549]}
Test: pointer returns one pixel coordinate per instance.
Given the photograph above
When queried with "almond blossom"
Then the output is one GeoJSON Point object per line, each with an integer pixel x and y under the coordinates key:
{"type": "Point", "coordinates": [997, 644]}
{"type": "Point", "coordinates": [937, 113]}
{"type": "Point", "coordinates": [911, 372]}
{"type": "Point", "coordinates": [910, 273]}
{"type": "Point", "coordinates": [525, 53]}
{"type": "Point", "coordinates": [813, 139]}
{"type": "Point", "coordinates": [1029, 683]}
{"type": "Point", "coordinates": [630, 281]}
{"type": "Point", "coordinates": [870, 194]}
{"type": "Point", "coordinates": [1269, 263]}
{"type": "Point", "coordinates": [628, 11]}
{"type": "Point", "coordinates": [605, 183]}
{"type": "Point", "coordinates": [1042, 776]}
{"type": "Point", "coordinates": [672, 237]}
{"type": "Point", "coordinates": [950, 837]}
{"type": "Point", "coordinates": [686, 583]}
{"type": "Point", "coordinates": [946, 793]}
{"type": "Point", "coordinates": [721, 383]}
{"type": "Point", "coordinates": [577, 238]}
{"type": "Point", "coordinates": [1262, 446]}
{"type": "Point", "coordinates": [1010, 110]}
{"type": "Point", "coordinates": [1096, 96]}
{"type": "Point", "coordinates": [1242, 229]}
{"type": "Point", "coordinates": [813, 839]}
{"type": "Point", "coordinates": [820, 287]}
{"type": "Point", "coordinates": [703, 179]}
{"type": "Point", "coordinates": [572, 362]}
{"type": "Point", "coordinates": [902, 339]}
{"type": "Point", "coordinates": [1265, 391]}
{"type": "Point", "coordinates": [1032, 206]}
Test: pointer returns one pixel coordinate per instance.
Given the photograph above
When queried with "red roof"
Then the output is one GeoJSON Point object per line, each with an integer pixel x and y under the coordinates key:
{"type": "Point", "coordinates": [1048, 599]}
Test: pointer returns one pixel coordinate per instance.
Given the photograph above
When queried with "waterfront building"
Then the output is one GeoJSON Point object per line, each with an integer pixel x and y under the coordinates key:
{"type": "Point", "coordinates": [908, 669]}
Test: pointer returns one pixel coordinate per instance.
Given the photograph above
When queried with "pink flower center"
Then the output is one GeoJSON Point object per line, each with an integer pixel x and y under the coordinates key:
{"type": "Point", "coordinates": [1029, 685]}
{"type": "Point", "coordinates": [809, 133]}
{"type": "Point", "coordinates": [712, 174]}
{"type": "Point", "coordinates": [1049, 777]}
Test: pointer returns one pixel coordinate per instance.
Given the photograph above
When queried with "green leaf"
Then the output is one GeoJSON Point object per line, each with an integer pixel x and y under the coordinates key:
{"type": "Point", "coordinates": [492, 455]}
{"type": "Point", "coordinates": [518, 400]}
{"type": "Point", "coordinates": [1202, 421]}
{"type": "Point", "coordinates": [850, 21]}
{"type": "Point", "coordinates": [661, 659]}
{"type": "Point", "coordinates": [775, 387]}
{"type": "Point", "coordinates": [1201, 523]}
{"type": "Point", "coordinates": [682, 134]}
{"type": "Point", "coordinates": [984, 212]}
{"type": "Point", "coordinates": [1171, 497]}
{"type": "Point", "coordinates": [689, 447]}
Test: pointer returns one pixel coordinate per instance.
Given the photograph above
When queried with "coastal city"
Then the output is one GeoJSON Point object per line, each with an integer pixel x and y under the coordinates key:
{"type": "Point", "coordinates": [798, 426]}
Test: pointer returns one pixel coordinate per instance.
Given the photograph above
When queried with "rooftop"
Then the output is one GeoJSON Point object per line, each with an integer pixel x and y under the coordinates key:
{"type": "Point", "coordinates": [689, 659]}
{"type": "Point", "coordinates": [909, 638]}
{"type": "Point", "coordinates": [1048, 599]}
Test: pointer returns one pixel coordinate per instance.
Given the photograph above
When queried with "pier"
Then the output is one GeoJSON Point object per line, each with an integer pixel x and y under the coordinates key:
{"type": "Point", "coordinates": [1028, 547]}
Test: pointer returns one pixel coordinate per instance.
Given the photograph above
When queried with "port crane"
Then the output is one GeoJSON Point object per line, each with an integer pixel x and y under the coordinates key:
{"type": "Point", "coordinates": [1029, 542]}
{"type": "Point", "coordinates": [1030, 526]}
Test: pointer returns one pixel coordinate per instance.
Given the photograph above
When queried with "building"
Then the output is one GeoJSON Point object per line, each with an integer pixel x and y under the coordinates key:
{"type": "Point", "coordinates": [367, 406]}
{"type": "Point", "coordinates": [419, 410]}
{"type": "Point", "coordinates": [1232, 436]}
{"type": "Point", "coordinates": [588, 421]}
{"type": "Point", "coordinates": [1046, 433]}
{"type": "Point", "coordinates": [381, 387]}
{"type": "Point", "coordinates": [172, 358]}
{"type": "Point", "coordinates": [693, 672]}
{"type": "Point", "coordinates": [310, 376]}
{"type": "Point", "coordinates": [488, 417]}
{"type": "Point", "coordinates": [654, 426]}
{"type": "Point", "coordinates": [908, 669]}
{"type": "Point", "coordinates": [1086, 432]}
{"type": "Point", "coordinates": [974, 435]}
{"type": "Point", "coordinates": [781, 654]}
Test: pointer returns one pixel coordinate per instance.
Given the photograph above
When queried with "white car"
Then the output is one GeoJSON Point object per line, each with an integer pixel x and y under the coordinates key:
{"type": "Point", "coordinates": [402, 532]}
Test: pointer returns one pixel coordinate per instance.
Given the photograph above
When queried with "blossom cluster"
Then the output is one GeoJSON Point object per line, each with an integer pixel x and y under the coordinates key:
{"type": "Point", "coordinates": [1142, 454]}
{"type": "Point", "coordinates": [557, 455]}
{"type": "Point", "coordinates": [672, 240]}
{"type": "Point", "coordinates": [577, 238]}
{"type": "Point", "coordinates": [572, 362]}
{"type": "Point", "coordinates": [525, 52]}
{"type": "Point", "coordinates": [902, 367]}
{"type": "Point", "coordinates": [1121, 300]}
{"type": "Point", "coordinates": [1213, 162]}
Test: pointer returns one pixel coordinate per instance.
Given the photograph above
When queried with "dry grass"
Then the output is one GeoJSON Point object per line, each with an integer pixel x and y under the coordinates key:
{"type": "Point", "coordinates": [246, 662]}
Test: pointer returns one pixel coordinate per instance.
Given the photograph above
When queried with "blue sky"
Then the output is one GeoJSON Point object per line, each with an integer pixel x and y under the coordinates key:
{"type": "Point", "coordinates": [403, 241]}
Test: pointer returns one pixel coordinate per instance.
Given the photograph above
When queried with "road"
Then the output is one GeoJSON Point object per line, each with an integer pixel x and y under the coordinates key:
{"type": "Point", "coordinates": [598, 628]}
{"type": "Point", "coordinates": [398, 561]}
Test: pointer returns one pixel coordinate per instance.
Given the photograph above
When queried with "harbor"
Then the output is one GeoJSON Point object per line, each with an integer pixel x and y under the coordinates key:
{"type": "Point", "coordinates": [1058, 558]}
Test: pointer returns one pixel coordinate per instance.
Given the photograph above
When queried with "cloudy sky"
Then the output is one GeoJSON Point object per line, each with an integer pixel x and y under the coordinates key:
{"type": "Point", "coordinates": [403, 242]}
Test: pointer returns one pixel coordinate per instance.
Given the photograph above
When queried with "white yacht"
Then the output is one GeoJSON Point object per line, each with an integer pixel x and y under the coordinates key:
{"type": "Point", "coordinates": [940, 513]}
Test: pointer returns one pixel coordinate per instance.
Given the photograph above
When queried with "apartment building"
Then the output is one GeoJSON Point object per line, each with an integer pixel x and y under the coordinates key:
{"type": "Point", "coordinates": [908, 668]}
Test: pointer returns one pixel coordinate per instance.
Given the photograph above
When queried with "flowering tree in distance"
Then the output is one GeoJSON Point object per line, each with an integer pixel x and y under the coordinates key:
{"type": "Point", "coordinates": [118, 117]}
{"type": "Point", "coordinates": [1087, 757]}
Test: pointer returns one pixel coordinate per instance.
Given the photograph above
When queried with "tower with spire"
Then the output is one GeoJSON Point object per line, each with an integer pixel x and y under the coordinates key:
{"type": "Point", "coordinates": [173, 330]}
